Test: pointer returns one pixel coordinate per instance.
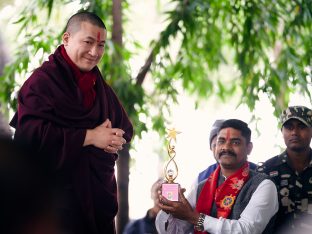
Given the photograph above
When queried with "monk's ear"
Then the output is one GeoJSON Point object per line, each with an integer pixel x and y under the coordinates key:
{"type": "Point", "coordinates": [249, 148]}
{"type": "Point", "coordinates": [65, 38]}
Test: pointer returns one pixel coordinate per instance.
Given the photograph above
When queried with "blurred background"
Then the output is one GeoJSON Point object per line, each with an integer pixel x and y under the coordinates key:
{"type": "Point", "coordinates": [175, 64]}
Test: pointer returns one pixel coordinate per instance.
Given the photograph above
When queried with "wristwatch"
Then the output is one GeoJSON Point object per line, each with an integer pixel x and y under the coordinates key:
{"type": "Point", "coordinates": [199, 226]}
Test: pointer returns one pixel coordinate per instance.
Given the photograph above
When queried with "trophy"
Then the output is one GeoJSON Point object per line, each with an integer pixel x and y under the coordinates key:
{"type": "Point", "coordinates": [169, 189]}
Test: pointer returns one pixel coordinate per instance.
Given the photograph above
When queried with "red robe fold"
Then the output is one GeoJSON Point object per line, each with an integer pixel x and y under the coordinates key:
{"type": "Point", "coordinates": [51, 118]}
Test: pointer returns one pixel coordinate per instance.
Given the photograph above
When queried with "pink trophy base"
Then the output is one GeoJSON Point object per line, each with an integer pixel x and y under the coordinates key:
{"type": "Point", "coordinates": [170, 191]}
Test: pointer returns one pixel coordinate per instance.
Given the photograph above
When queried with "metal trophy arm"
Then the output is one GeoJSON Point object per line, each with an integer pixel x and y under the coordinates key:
{"type": "Point", "coordinates": [170, 190]}
{"type": "Point", "coordinates": [170, 174]}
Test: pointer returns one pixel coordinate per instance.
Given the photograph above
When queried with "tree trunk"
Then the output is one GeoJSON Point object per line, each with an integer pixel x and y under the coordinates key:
{"type": "Point", "coordinates": [5, 131]}
{"type": "Point", "coordinates": [123, 160]}
{"type": "Point", "coordinates": [3, 55]}
{"type": "Point", "coordinates": [117, 23]}
{"type": "Point", "coordinates": [123, 187]}
{"type": "Point", "coordinates": [4, 125]}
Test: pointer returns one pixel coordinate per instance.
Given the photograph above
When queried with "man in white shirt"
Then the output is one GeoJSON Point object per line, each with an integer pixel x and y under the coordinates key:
{"type": "Point", "coordinates": [232, 200]}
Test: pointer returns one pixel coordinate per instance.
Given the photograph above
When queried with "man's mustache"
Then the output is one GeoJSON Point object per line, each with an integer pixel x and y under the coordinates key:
{"type": "Point", "coordinates": [227, 152]}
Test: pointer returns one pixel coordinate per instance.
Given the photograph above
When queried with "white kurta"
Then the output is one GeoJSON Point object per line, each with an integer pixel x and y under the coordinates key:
{"type": "Point", "coordinates": [257, 214]}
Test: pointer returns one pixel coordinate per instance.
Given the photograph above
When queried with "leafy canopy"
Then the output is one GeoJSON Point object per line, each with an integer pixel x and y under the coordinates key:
{"type": "Point", "coordinates": [267, 45]}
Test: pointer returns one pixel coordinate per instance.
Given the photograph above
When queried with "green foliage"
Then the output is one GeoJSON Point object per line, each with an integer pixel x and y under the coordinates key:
{"type": "Point", "coordinates": [5, 2]}
{"type": "Point", "coordinates": [267, 45]}
{"type": "Point", "coordinates": [269, 42]}
{"type": "Point", "coordinates": [40, 40]}
{"type": "Point", "coordinates": [35, 41]}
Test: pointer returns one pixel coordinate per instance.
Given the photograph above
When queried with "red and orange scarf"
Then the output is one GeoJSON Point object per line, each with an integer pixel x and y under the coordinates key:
{"type": "Point", "coordinates": [224, 196]}
{"type": "Point", "coordinates": [85, 81]}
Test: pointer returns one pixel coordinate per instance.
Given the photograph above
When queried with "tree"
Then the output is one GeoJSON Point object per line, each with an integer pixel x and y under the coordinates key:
{"type": "Point", "coordinates": [4, 127]}
{"type": "Point", "coordinates": [268, 43]}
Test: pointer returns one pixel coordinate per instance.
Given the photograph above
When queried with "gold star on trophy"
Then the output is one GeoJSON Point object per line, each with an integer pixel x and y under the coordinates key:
{"type": "Point", "coordinates": [172, 134]}
{"type": "Point", "coordinates": [170, 190]}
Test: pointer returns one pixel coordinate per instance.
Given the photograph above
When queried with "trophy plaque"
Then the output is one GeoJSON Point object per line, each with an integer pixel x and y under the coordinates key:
{"type": "Point", "coordinates": [170, 189]}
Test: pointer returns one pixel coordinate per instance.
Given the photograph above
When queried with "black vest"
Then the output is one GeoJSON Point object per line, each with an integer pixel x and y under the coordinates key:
{"type": "Point", "coordinates": [244, 197]}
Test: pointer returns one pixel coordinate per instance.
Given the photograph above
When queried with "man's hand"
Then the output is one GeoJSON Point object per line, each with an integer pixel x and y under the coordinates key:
{"type": "Point", "coordinates": [105, 137]}
{"type": "Point", "coordinates": [179, 209]}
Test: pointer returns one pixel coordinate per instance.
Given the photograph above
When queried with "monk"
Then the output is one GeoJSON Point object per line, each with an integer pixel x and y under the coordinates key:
{"type": "Point", "coordinates": [73, 118]}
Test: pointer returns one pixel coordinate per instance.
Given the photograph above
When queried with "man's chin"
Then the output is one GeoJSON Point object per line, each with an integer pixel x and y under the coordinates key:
{"type": "Point", "coordinates": [226, 163]}
{"type": "Point", "coordinates": [86, 68]}
{"type": "Point", "coordinates": [296, 148]}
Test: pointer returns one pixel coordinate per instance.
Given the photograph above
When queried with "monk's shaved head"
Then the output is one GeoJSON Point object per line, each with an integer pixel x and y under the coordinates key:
{"type": "Point", "coordinates": [74, 22]}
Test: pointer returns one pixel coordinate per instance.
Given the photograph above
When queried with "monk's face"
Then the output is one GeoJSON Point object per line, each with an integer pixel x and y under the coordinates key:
{"type": "Point", "coordinates": [232, 148]}
{"type": "Point", "coordinates": [85, 47]}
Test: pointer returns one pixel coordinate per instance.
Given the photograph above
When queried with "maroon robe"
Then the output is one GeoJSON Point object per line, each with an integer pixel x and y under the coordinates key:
{"type": "Point", "coordinates": [52, 119]}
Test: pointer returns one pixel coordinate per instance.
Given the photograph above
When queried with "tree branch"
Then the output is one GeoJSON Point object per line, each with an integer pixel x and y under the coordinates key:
{"type": "Point", "coordinates": [144, 69]}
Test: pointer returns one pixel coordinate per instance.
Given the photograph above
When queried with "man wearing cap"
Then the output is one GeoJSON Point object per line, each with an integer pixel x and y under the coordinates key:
{"type": "Point", "coordinates": [234, 199]}
{"type": "Point", "coordinates": [212, 142]}
{"type": "Point", "coordinates": [291, 171]}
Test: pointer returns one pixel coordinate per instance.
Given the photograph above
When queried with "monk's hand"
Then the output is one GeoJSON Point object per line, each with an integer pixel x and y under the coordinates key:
{"type": "Point", "coordinates": [105, 137]}
{"type": "Point", "coordinates": [116, 141]}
